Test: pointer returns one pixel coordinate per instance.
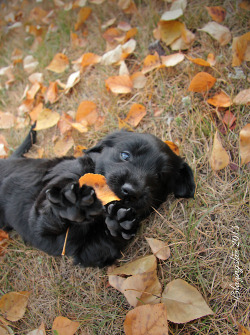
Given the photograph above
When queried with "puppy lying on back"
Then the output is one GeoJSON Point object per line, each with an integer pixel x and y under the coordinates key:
{"type": "Point", "coordinates": [41, 198]}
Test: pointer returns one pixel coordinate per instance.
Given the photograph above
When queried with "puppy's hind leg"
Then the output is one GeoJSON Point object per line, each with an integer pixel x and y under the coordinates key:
{"type": "Point", "coordinates": [27, 143]}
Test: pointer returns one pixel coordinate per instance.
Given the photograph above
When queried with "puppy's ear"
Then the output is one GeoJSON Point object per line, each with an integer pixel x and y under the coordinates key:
{"type": "Point", "coordinates": [184, 183]}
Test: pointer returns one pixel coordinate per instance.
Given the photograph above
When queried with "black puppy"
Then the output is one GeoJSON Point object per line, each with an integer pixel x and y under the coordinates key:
{"type": "Point", "coordinates": [41, 198]}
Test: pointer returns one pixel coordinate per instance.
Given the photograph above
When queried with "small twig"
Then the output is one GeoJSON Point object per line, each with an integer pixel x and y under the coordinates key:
{"type": "Point", "coordinates": [65, 242]}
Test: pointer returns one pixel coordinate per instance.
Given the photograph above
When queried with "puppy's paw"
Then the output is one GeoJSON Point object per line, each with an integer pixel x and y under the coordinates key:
{"type": "Point", "coordinates": [121, 220]}
{"type": "Point", "coordinates": [74, 203]}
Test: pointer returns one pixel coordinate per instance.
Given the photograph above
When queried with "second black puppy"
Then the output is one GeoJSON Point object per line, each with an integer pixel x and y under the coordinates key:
{"type": "Point", "coordinates": [41, 198]}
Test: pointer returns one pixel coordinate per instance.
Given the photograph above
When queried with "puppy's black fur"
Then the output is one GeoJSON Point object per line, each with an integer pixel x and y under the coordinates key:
{"type": "Point", "coordinates": [41, 198]}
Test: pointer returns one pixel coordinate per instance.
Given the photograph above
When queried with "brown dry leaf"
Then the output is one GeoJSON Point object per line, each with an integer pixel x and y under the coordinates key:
{"type": "Point", "coordinates": [7, 120]}
{"type": "Point", "coordinates": [173, 147]}
{"type": "Point", "coordinates": [245, 4]}
{"type": "Point", "coordinates": [51, 94]}
{"type": "Point", "coordinates": [31, 93]}
{"type": "Point", "coordinates": [36, 111]}
{"type": "Point", "coordinates": [241, 49]}
{"type": "Point", "coordinates": [36, 77]}
{"type": "Point", "coordinates": [73, 79]}
{"type": "Point", "coordinates": [128, 6]}
{"type": "Point", "coordinates": [64, 124]}
{"type": "Point", "coordinates": [116, 282]}
{"type": "Point", "coordinates": [123, 125]}
{"type": "Point", "coordinates": [242, 330]}
{"type": "Point", "coordinates": [4, 241]}
{"type": "Point", "coordinates": [13, 305]}
{"type": "Point", "coordinates": [113, 56]}
{"type": "Point", "coordinates": [102, 190]}
{"type": "Point", "coordinates": [245, 144]}
{"type": "Point", "coordinates": [169, 31]}
{"type": "Point", "coordinates": [150, 63]}
{"type": "Point", "coordinates": [64, 326]}
{"type": "Point", "coordinates": [87, 111]}
{"type": "Point", "coordinates": [229, 119]}
{"type": "Point", "coordinates": [159, 248]}
{"type": "Point", "coordinates": [138, 79]}
{"type": "Point", "coordinates": [218, 32]}
{"type": "Point", "coordinates": [184, 303]}
{"type": "Point", "coordinates": [81, 127]}
{"type": "Point", "coordinates": [59, 63]}
{"type": "Point", "coordinates": [219, 158]}
{"type": "Point", "coordinates": [135, 115]}
{"type": "Point", "coordinates": [147, 320]}
{"type": "Point", "coordinates": [123, 70]}
{"type": "Point", "coordinates": [172, 60]}
{"type": "Point", "coordinates": [202, 82]}
{"type": "Point", "coordinates": [3, 147]}
{"type": "Point", "coordinates": [184, 42]}
{"type": "Point", "coordinates": [78, 150]}
{"type": "Point", "coordinates": [38, 331]}
{"type": "Point", "coordinates": [217, 13]}
{"type": "Point", "coordinates": [17, 56]}
{"type": "Point", "coordinates": [119, 84]}
{"type": "Point", "coordinates": [211, 59]}
{"type": "Point", "coordinates": [242, 98]}
{"type": "Point", "coordinates": [199, 61]}
{"type": "Point", "coordinates": [47, 119]}
{"type": "Point", "coordinates": [90, 59]}
{"type": "Point", "coordinates": [63, 145]}
{"type": "Point", "coordinates": [76, 41]}
{"type": "Point", "coordinates": [220, 100]}
{"type": "Point", "coordinates": [83, 15]}
{"type": "Point", "coordinates": [140, 265]}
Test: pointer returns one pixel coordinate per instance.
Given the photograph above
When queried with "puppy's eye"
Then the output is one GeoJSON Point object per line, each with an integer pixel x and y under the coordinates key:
{"type": "Point", "coordinates": [125, 155]}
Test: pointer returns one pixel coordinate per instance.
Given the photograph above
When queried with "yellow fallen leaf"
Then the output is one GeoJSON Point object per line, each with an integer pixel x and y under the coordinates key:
{"type": "Point", "coordinates": [119, 84]}
{"type": "Point", "coordinates": [184, 303]}
{"type": "Point", "coordinates": [47, 119]}
{"type": "Point", "coordinates": [171, 15]}
{"type": "Point", "coordinates": [140, 265]}
{"type": "Point", "coordinates": [211, 59]}
{"type": "Point", "coordinates": [81, 127]}
{"type": "Point", "coordinates": [159, 248]}
{"type": "Point", "coordinates": [245, 5]}
{"type": "Point", "coordinates": [90, 59]}
{"type": "Point", "coordinates": [245, 144]}
{"type": "Point", "coordinates": [13, 305]}
{"type": "Point", "coordinates": [169, 31]}
{"type": "Point", "coordinates": [3, 147]}
{"type": "Point", "coordinates": [64, 124]}
{"type": "Point", "coordinates": [173, 147]}
{"type": "Point", "coordinates": [83, 15]}
{"type": "Point", "coordinates": [218, 32]}
{"type": "Point", "coordinates": [243, 97]}
{"type": "Point", "coordinates": [128, 6]}
{"type": "Point", "coordinates": [220, 100]}
{"type": "Point", "coordinates": [139, 80]}
{"type": "Point", "coordinates": [51, 93]}
{"type": "Point", "coordinates": [172, 60]}
{"type": "Point", "coordinates": [64, 326]}
{"type": "Point", "coordinates": [202, 82]}
{"type": "Point", "coordinates": [59, 63]}
{"type": "Point", "coordinates": [63, 145]}
{"type": "Point", "coordinates": [135, 115]}
{"type": "Point", "coordinates": [147, 320]}
{"type": "Point", "coordinates": [102, 190]}
{"type": "Point", "coordinates": [184, 42]}
{"type": "Point", "coordinates": [73, 79]}
{"type": "Point", "coordinates": [150, 63]}
{"type": "Point", "coordinates": [36, 77]}
{"type": "Point", "coordinates": [38, 331]}
{"type": "Point", "coordinates": [87, 111]}
{"type": "Point", "coordinates": [199, 61]}
{"type": "Point", "coordinates": [242, 330]}
{"type": "Point", "coordinates": [217, 13]}
{"type": "Point", "coordinates": [36, 111]}
{"type": "Point", "coordinates": [219, 158]}
{"type": "Point", "coordinates": [241, 49]}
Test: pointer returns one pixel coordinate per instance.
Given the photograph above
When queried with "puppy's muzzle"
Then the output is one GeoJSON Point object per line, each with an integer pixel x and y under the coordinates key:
{"type": "Point", "coordinates": [130, 192]}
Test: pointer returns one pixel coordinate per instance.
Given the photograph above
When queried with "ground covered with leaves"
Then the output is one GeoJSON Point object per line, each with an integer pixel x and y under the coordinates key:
{"type": "Point", "coordinates": [176, 69]}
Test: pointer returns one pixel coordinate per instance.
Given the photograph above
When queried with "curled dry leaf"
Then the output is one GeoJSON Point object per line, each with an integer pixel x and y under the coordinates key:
{"type": "Point", "coordinates": [73, 79]}
{"type": "Point", "coordinates": [184, 303]}
{"type": "Point", "coordinates": [87, 111]}
{"type": "Point", "coordinates": [64, 326]}
{"type": "Point", "coordinates": [229, 119]}
{"type": "Point", "coordinates": [7, 120]}
{"type": "Point", "coordinates": [36, 77]}
{"type": "Point", "coordinates": [147, 320]}
{"type": "Point", "coordinates": [217, 13]}
{"type": "Point", "coordinates": [59, 63]}
{"type": "Point", "coordinates": [173, 147]}
{"type": "Point", "coordinates": [36, 111]}
{"type": "Point", "coordinates": [241, 49]}
{"type": "Point", "coordinates": [169, 31]}
{"type": "Point", "coordinates": [140, 265]}
{"type": "Point", "coordinates": [47, 119]}
{"type": "Point", "coordinates": [13, 305]}
{"type": "Point", "coordinates": [220, 100]}
{"type": "Point", "coordinates": [82, 16]}
{"type": "Point", "coordinates": [119, 84]}
{"type": "Point", "coordinates": [128, 6]}
{"type": "Point", "coordinates": [202, 82]}
{"type": "Point", "coordinates": [242, 98]}
{"type": "Point", "coordinates": [211, 59]}
{"type": "Point", "coordinates": [135, 115]}
{"type": "Point", "coordinates": [199, 61]}
{"type": "Point", "coordinates": [172, 14]}
{"type": "Point", "coordinates": [184, 42]}
{"type": "Point", "coordinates": [102, 190]}
{"type": "Point", "coordinates": [219, 158]}
{"type": "Point", "coordinates": [90, 59]}
{"type": "Point", "coordinates": [245, 144]}
{"type": "Point", "coordinates": [63, 145]}
{"type": "Point", "coordinates": [218, 32]}
{"type": "Point", "coordinates": [150, 63]}
{"type": "Point", "coordinates": [31, 93]}
{"type": "Point", "coordinates": [51, 93]}
{"type": "Point", "coordinates": [172, 60]}
{"type": "Point", "coordinates": [64, 124]}
{"type": "Point", "coordinates": [159, 248]}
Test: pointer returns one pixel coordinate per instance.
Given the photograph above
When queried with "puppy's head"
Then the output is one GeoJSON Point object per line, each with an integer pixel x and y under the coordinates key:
{"type": "Point", "coordinates": [141, 169]}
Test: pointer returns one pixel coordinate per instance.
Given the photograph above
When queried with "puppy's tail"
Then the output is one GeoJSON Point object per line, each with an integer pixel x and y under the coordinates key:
{"type": "Point", "coordinates": [27, 143]}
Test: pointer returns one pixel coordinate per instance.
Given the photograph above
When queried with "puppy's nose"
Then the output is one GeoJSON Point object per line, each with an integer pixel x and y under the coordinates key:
{"type": "Point", "coordinates": [128, 190]}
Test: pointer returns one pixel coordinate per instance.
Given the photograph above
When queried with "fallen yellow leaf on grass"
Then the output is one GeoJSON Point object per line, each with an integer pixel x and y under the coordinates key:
{"type": "Point", "coordinates": [51, 93]}
{"type": "Point", "coordinates": [218, 32]}
{"type": "Point", "coordinates": [173, 147]}
{"type": "Point", "coordinates": [150, 63]}
{"type": "Point", "coordinates": [140, 265]}
{"type": "Point", "coordinates": [243, 97]}
{"type": "Point", "coordinates": [119, 84]}
{"type": "Point", "coordinates": [217, 13]}
{"type": "Point", "coordinates": [219, 158]}
{"type": "Point", "coordinates": [3, 147]}
{"type": "Point", "coordinates": [73, 79]}
{"type": "Point", "coordinates": [172, 60]}
{"type": "Point", "coordinates": [220, 100]}
{"type": "Point", "coordinates": [241, 49]}
{"type": "Point", "coordinates": [159, 248]}
{"type": "Point", "coordinates": [147, 320]}
{"type": "Point", "coordinates": [199, 61]}
{"type": "Point", "coordinates": [59, 63]}
{"type": "Point", "coordinates": [36, 111]}
{"type": "Point", "coordinates": [63, 145]}
{"type": "Point", "coordinates": [245, 144]}
{"type": "Point", "coordinates": [184, 303]}
{"type": "Point", "coordinates": [138, 79]}
{"type": "Point", "coordinates": [4, 241]}
{"type": "Point", "coordinates": [102, 190]}
{"type": "Point", "coordinates": [38, 331]}
{"type": "Point", "coordinates": [135, 115]}
{"type": "Point", "coordinates": [169, 31]}
{"type": "Point", "coordinates": [64, 326]}
{"type": "Point", "coordinates": [242, 330]}
{"type": "Point", "coordinates": [87, 111]}
{"type": "Point", "coordinates": [83, 15]}
{"type": "Point", "coordinates": [47, 119]}
{"type": "Point", "coordinates": [13, 305]}
{"type": "Point", "coordinates": [202, 82]}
